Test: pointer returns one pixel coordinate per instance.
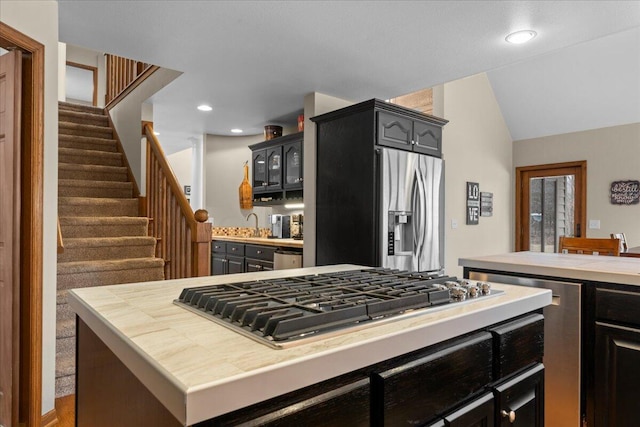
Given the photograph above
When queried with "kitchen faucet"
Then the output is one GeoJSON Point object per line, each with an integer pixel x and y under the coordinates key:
{"type": "Point", "coordinates": [256, 232]}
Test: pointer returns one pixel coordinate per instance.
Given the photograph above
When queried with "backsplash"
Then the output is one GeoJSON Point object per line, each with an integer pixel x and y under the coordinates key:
{"type": "Point", "coordinates": [239, 231]}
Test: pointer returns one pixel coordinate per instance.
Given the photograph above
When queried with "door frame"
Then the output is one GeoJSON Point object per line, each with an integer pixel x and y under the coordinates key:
{"type": "Point", "coordinates": [551, 169]}
{"type": "Point", "coordinates": [32, 161]}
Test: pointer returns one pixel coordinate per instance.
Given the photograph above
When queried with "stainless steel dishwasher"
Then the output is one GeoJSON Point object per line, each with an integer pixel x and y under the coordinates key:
{"type": "Point", "coordinates": [562, 343]}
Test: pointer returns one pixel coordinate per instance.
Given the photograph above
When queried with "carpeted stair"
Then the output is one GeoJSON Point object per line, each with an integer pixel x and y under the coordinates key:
{"type": "Point", "coordinates": [105, 242]}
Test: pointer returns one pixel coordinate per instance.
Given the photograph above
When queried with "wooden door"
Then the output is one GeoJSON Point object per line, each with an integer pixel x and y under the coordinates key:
{"type": "Point", "coordinates": [551, 201]}
{"type": "Point", "coordinates": [10, 83]}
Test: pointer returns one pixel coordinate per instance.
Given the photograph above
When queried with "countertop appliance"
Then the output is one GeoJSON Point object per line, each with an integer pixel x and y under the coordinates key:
{"type": "Point", "coordinates": [562, 342]}
{"type": "Point", "coordinates": [287, 311]}
{"type": "Point", "coordinates": [280, 226]}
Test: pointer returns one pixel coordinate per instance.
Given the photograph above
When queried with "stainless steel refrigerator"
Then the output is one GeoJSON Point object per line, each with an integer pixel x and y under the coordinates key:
{"type": "Point", "coordinates": [411, 211]}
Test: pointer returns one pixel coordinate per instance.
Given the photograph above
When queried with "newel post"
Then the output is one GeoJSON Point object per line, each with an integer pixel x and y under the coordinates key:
{"type": "Point", "coordinates": [202, 244]}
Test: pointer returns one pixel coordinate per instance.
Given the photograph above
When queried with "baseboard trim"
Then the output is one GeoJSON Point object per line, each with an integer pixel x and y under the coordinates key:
{"type": "Point", "coordinates": [49, 419]}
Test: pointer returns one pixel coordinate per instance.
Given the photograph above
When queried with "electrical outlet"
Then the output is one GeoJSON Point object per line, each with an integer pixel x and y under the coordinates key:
{"type": "Point", "coordinates": [454, 223]}
{"type": "Point", "coordinates": [594, 224]}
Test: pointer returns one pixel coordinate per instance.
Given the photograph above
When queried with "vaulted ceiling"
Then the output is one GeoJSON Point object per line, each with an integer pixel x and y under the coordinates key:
{"type": "Point", "coordinates": [254, 61]}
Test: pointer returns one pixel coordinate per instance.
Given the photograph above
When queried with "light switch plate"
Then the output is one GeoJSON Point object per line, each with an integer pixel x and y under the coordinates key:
{"type": "Point", "coordinates": [594, 224]}
{"type": "Point", "coordinates": [454, 223]}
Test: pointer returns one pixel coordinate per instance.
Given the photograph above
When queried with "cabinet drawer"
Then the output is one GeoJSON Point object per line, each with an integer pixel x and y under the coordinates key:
{"type": "Point", "coordinates": [251, 265]}
{"type": "Point", "coordinates": [520, 401]}
{"type": "Point", "coordinates": [235, 249]}
{"type": "Point", "coordinates": [518, 344]}
{"type": "Point", "coordinates": [260, 252]}
{"type": "Point", "coordinates": [618, 306]}
{"type": "Point", "coordinates": [218, 246]}
{"type": "Point", "coordinates": [413, 392]}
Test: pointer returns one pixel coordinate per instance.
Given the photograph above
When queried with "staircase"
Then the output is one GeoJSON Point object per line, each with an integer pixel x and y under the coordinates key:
{"type": "Point", "coordinates": [105, 241]}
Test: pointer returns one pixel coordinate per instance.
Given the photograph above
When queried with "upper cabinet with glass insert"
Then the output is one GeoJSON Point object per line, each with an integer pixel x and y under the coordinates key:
{"type": "Point", "coordinates": [278, 169]}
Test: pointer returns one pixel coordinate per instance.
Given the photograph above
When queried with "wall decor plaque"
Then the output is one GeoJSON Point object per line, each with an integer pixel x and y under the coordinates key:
{"type": "Point", "coordinates": [625, 192]}
{"type": "Point", "coordinates": [486, 204]}
{"type": "Point", "coordinates": [473, 203]}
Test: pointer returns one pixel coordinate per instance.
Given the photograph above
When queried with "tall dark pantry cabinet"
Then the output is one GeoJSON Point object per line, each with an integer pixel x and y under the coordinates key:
{"type": "Point", "coordinates": [351, 224]}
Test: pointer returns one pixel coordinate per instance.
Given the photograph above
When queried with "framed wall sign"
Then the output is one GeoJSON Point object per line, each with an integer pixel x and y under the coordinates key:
{"type": "Point", "coordinates": [625, 192]}
{"type": "Point", "coordinates": [473, 203]}
{"type": "Point", "coordinates": [486, 204]}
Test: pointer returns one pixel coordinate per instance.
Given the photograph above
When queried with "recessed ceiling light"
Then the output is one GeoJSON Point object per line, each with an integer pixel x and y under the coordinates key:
{"type": "Point", "coordinates": [204, 107]}
{"type": "Point", "coordinates": [520, 37]}
{"type": "Point", "coordinates": [236, 130]}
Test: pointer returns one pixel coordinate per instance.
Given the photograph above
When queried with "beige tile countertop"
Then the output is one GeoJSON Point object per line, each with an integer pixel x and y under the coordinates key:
{"type": "Point", "coordinates": [609, 269]}
{"type": "Point", "coordinates": [199, 369]}
{"type": "Point", "coordinates": [285, 243]}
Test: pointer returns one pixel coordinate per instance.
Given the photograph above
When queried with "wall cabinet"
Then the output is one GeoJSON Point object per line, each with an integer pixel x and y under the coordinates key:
{"type": "Point", "coordinates": [278, 169]}
{"type": "Point", "coordinates": [448, 384]}
{"type": "Point", "coordinates": [410, 134]}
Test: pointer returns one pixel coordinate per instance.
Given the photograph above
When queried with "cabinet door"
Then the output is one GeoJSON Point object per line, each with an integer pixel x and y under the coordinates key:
{"type": "Point", "coordinates": [478, 413]}
{"type": "Point", "coordinates": [520, 401]}
{"type": "Point", "coordinates": [293, 165]}
{"type": "Point", "coordinates": [259, 170]}
{"type": "Point", "coordinates": [274, 168]}
{"type": "Point", "coordinates": [218, 265]}
{"type": "Point", "coordinates": [418, 390]}
{"type": "Point", "coordinates": [427, 138]}
{"type": "Point", "coordinates": [617, 375]}
{"type": "Point", "coordinates": [394, 131]}
{"type": "Point", "coordinates": [235, 264]}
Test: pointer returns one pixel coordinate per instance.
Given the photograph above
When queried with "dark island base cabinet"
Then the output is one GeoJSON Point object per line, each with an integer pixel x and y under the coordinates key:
{"type": "Point", "coordinates": [617, 357]}
{"type": "Point", "coordinates": [452, 383]}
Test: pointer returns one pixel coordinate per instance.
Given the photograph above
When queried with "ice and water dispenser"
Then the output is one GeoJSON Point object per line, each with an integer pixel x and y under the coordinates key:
{"type": "Point", "coordinates": [400, 233]}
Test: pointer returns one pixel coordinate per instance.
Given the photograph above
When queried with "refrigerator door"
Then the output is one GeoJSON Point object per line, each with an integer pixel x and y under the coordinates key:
{"type": "Point", "coordinates": [412, 211]}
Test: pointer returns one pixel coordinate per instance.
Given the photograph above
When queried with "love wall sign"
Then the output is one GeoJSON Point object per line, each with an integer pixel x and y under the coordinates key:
{"type": "Point", "coordinates": [625, 192]}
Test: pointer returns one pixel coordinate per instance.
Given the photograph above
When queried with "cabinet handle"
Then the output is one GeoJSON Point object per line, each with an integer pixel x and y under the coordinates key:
{"type": "Point", "coordinates": [413, 142]}
{"type": "Point", "coordinates": [255, 266]}
{"type": "Point", "coordinates": [258, 252]}
{"type": "Point", "coordinates": [233, 249]}
{"type": "Point", "coordinates": [511, 415]}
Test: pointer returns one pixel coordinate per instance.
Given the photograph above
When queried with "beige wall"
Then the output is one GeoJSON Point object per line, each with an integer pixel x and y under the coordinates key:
{"type": "Point", "coordinates": [223, 174]}
{"type": "Point", "coordinates": [612, 154]}
{"type": "Point", "coordinates": [477, 147]}
{"type": "Point", "coordinates": [39, 20]}
{"type": "Point", "coordinates": [180, 163]}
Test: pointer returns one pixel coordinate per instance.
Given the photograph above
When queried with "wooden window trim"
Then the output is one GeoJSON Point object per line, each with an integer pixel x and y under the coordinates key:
{"type": "Point", "coordinates": [94, 70]}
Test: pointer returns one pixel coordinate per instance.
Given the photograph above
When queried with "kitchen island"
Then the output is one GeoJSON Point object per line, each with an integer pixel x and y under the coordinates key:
{"type": "Point", "coordinates": [142, 360]}
{"type": "Point", "coordinates": [592, 331]}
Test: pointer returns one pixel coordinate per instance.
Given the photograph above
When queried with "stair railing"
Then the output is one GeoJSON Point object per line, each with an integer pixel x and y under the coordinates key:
{"type": "Point", "coordinates": [183, 237]}
{"type": "Point", "coordinates": [124, 75]}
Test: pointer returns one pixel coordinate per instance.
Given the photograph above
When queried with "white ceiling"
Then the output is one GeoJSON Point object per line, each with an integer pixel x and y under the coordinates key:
{"type": "Point", "coordinates": [254, 61]}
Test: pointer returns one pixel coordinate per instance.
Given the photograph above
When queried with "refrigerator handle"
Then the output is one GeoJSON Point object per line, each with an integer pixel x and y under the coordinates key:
{"type": "Point", "coordinates": [417, 205]}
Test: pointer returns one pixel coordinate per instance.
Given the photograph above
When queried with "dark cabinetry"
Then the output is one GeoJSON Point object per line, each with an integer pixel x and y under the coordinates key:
{"type": "Point", "coordinates": [226, 258]}
{"type": "Point", "coordinates": [232, 257]}
{"type": "Point", "coordinates": [617, 356]}
{"type": "Point", "coordinates": [449, 384]}
{"type": "Point", "coordinates": [277, 169]}
{"type": "Point", "coordinates": [406, 133]}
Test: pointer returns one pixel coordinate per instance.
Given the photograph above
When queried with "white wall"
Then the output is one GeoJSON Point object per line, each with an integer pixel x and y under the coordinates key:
{"type": "Point", "coordinates": [84, 56]}
{"type": "Point", "coordinates": [180, 162]}
{"type": "Point", "coordinates": [39, 20]}
{"type": "Point", "coordinates": [477, 147]}
{"type": "Point", "coordinates": [127, 115]}
{"type": "Point", "coordinates": [612, 154]}
{"type": "Point", "coordinates": [314, 105]}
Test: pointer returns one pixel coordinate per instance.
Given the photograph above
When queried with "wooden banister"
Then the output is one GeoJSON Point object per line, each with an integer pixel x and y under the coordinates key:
{"type": "Point", "coordinates": [124, 75]}
{"type": "Point", "coordinates": [60, 243]}
{"type": "Point", "coordinates": [184, 237]}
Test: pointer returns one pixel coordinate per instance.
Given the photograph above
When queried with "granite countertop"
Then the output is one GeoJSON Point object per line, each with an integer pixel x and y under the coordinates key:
{"type": "Point", "coordinates": [188, 362]}
{"type": "Point", "coordinates": [286, 243]}
{"type": "Point", "coordinates": [599, 268]}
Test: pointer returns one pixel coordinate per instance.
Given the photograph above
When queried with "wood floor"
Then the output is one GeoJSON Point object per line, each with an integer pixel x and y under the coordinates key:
{"type": "Point", "coordinates": [66, 411]}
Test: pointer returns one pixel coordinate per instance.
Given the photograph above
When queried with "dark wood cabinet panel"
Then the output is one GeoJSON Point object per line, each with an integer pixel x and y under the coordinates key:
{"type": "Point", "coordinates": [274, 168]}
{"type": "Point", "coordinates": [395, 131]}
{"type": "Point", "coordinates": [520, 401]}
{"type": "Point", "coordinates": [617, 375]}
{"type": "Point", "coordinates": [259, 170]}
{"type": "Point", "coordinates": [293, 166]}
{"type": "Point", "coordinates": [218, 265]}
{"type": "Point", "coordinates": [258, 252]}
{"type": "Point", "coordinates": [618, 306]}
{"type": "Point", "coordinates": [235, 264]}
{"type": "Point", "coordinates": [478, 413]}
{"type": "Point", "coordinates": [427, 138]}
{"type": "Point", "coordinates": [227, 257]}
{"type": "Point", "coordinates": [518, 344]}
{"type": "Point", "coordinates": [414, 392]}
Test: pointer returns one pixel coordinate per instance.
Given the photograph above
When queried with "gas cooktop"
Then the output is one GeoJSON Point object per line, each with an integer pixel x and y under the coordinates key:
{"type": "Point", "coordinates": [281, 312]}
